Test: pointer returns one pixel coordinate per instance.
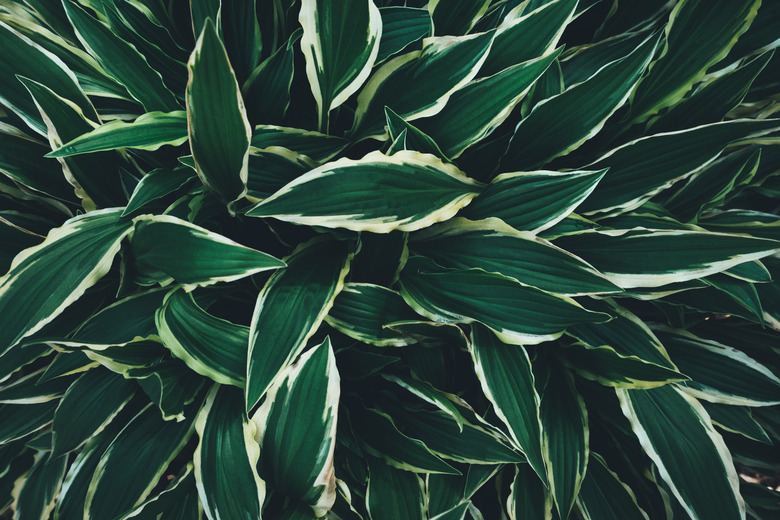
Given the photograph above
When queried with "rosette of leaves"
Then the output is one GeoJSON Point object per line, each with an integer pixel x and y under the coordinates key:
{"type": "Point", "coordinates": [373, 259]}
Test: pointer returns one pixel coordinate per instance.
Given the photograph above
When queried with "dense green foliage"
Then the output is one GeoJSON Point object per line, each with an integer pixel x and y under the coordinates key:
{"type": "Point", "coordinates": [389, 260]}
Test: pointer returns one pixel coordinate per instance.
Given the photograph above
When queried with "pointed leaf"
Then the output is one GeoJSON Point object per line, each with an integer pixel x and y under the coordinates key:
{"type": "Point", "coordinates": [226, 456]}
{"type": "Point", "coordinates": [690, 49]}
{"type": "Point", "coordinates": [381, 438]}
{"type": "Point", "coordinates": [121, 61]}
{"type": "Point", "coordinates": [406, 191]}
{"type": "Point", "coordinates": [533, 201]}
{"type": "Point", "coordinates": [419, 83]}
{"type": "Point", "coordinates": [497, 248]}
{"type": "Point", "coordinates": [24, 58]}
{"type": "Point", "coordinates": [393, 493]}
{"type": "Point", "coordinates": [361, 311]}
{"type": "Point", "coordinates": [219, 131]}
{"type": "Point", "coordinates": [167, 248]}
{"type": "Point", "coordinates": [565, 438]}
{"type": "Point", "coordinates": [401, 26]}
{"type": "Point", "coordinates": [87, 407]}
{"type": "Point", "coordinates": [340, 42]}
{"type": "Point", "coordinates": [210, 346]}
{"type": "Point", "coordinates": [296, 429]}
{"type": "Point", "coordinates": [155, 185]}
{"type": "Point", "coordinates": [719, 373]}
{"type": "Point", "coordinates": [94, 178]}
{"type": "Point", "coordinates": [474, 111]}
{"type": "Point", "coordinates": [454, 17]}
{"type": "Point", "coordinates": [528, 33]}
{"type": "Point", "coordinates": [504, 371]}
{"type": "Point", "coordinates": [675, 432]}
{"type": "Point", "coordinates": [604, 495]}
{"type": "Point", "coordinates": [290, 308]}
{"type": "Point", "coordinates": [148, 132]}
{"type": "Point", "coordinates": [516, 313]}
{"type": "Point", "coordinates": [35, 291]}
{"type": "Point", "coordinates": [135, 461]}
{"type": "Point", "coordinates": [640, 169]}
{"type": "Point", "coordinates": [34, 499]}
{"type": "Point", "coordinates": [644, 259]}
{"type": "Point", "coordinates": [528, 497]}
{"type": "Point", "coordinates": [320, 147]}
{"type": "Point", "coordinates": [562, 123]}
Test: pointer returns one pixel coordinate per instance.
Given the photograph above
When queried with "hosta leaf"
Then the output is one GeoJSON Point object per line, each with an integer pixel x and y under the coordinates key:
{"type": "Point", "coordinates": [563, 122]}
{"type": "Point", "coordinates": [691, 47]}
{"type": "Point", "coordinates": [19, 420]}
{"type": "Point", "coordinates": [320, 147]}
{"type": "Point", "coordinates": [644, 259]}
{"type": "Point", "coordinates": [719, 373]}
{"type": "Point", "coordinates": [241, 34]}
{"type": "Point", "coordinates": [169, 385]}
{"type": "Point", "coordinates": [393, 493]}
{"type": "Point", "coordinates": [219, 131]}
{"type": "Point", "coordinates": [89, 404]}
{"type": "Point", "coordinates": [226, 458]}
{"type": "Point", "coordinates": [714, 99]}
{"type": "Point", "coordinates": [35, 291]}
{"type": "Point", "coordinates": [640, 169]}
{"type": "Point", "coordinates": [565, 438]}
{"type": "Point", "coordinates": [71, 500]}
{"type": "Point", "coordinates": [526, 34]}
{"type": "Point", "coordinates": [428, 393]}
{"type": "Point", "coordinates": [210, 346]}
{"type": "Point", "coordinates": [533, 201]}
{"type": "Point", "coordinates": [516, 313]}
{"type": "Point", "coordinates": [94, 178]}
{"type": "Point", "coordinates": [736, 419]}
{"type": "Point", "coordinates": [401, 26]}
{"type": "Point", "coordinates": [457, 512]}
{"type": "Point", "coordinates": [290, 308]}
{"type": "Point", "coordinates": [127, 320]}
{"type": "Point", "coordinates": [675, 432]}
{"type": "Point", "coordinates": [271, 168]}
{"type": "Point", "coordinates": [27, 389]}
{"type": "Point", "coordinates": [405, 136]}
{"type": "Point", "coordinates": [605, 365]}
{"type": "Point", "coordinates": [528, 497]}
{"type": "Point", "coordinates": [35, 497]}
{"type": "Point", "coordinates": [406, 191]}
{"type": "Point", "coordinates": [361, 311]}
{"type": "Point", "coordinates": [419, 83]}
{"type": "Point", "coordinates": [166, 248]}
{"type": "Point", "coordinates": [20, 355]}
{"type": "Point", "coordinates": [455, 17]}
{"type": "Point", "coordinates": [179, 501]}
{"type": "Point", "coordinates": [497, 248]}
{"type": "Point", "coordinates": [271, 80]}
{"type": "Point", "coordinates": [708, 187]}
{"type": "Point", "coordinates": [504, 371]}
{"type": "Point", "coordinates": [340, 42]}
{"type": "Point", "coordinates": [296, 429]}
{"type": "Point", "coordinates": [382, 439]}
{"type": "Point", "coordinates": [27, 59]}
{"type": "Point", "coordinates": [135, 461]}
{"type": "Point", "coordinates": [474, 111]}
{"type": "Point", "coordinates": [604, 495]}
{"type": "Point", "coordinates": [200, 10]}
{"type": "Point", "coordinates": [121, 61]}
{"type": "Point", "coordinates": [148, 132]}
{"type": "Point", "coordinates": [157, 184]}
{"type": "Point", "coordinates": [21, 159]}
{"type": "Point", "coordinates": [443, 436]}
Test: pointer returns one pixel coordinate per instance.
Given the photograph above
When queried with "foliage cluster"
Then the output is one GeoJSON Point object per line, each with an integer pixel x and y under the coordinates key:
{"type": "Point", "coordinates": [389, 260]}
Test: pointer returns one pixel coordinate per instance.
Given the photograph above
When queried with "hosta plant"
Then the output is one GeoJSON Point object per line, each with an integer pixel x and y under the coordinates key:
{"type": "Point", "coordinates": [387, 260]}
